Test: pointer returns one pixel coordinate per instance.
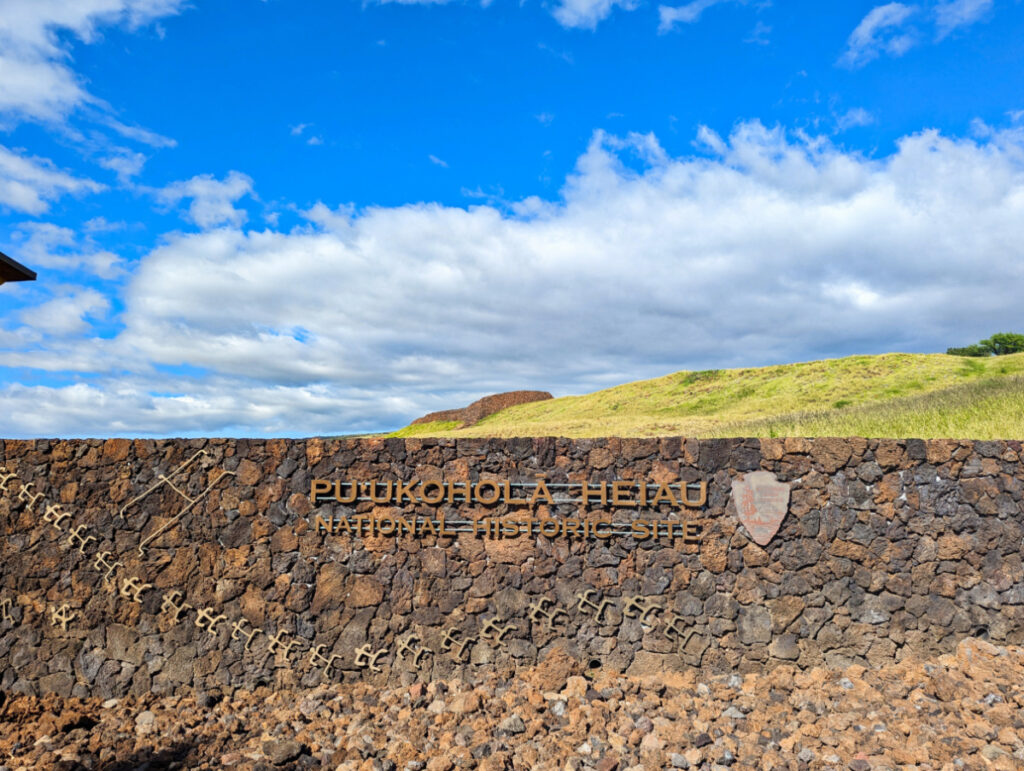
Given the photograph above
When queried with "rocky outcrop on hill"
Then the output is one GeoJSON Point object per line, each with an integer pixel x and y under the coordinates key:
{"type": "Point", "coordinates": [961, 710]}
{"type": "Point", "coordinates": [481, 408]}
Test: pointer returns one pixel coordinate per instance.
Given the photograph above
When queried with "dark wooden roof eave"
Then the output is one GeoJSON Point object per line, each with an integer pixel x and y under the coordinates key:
{"type": "Point", "coordinates": [11, 270]}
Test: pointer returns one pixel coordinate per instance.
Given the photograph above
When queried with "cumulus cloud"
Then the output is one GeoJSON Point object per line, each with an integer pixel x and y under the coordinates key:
{"type": "Point", "coordinates": [764, 247]}
{"type": "Point", "coordinates": [29, 183]}
{"type": "Point", "coordinates": [46, 245]}
{"type": "Point", "coordinates": [66, 314]}
{"type": "Point", "coordinates": [882, 30]}
{"type": "Point", "coordinates": [212, 200]}
{"type": "Point", "coordinates": [35, 78]}
{"type": "Point", "coordinates": [959, 13]}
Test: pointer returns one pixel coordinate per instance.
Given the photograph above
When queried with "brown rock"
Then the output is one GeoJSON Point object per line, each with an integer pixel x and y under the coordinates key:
{"type": "Point", "coordinates": [552, 673]}
{"type": "Point", "coordinates": [330, 585]}
{"type": "Point", "coordinates": [481, 408]}
{"type": "Point", "coordinates": [714, 555]}
{"type": "Point", "coordinates": [831, 454]}
{"type": "Point", "coordinates": [465, 703]}
{"type": "Point", "coordinates": [116, 450]}
{"type": "Point", "coordinates": [364, 591]}
{"type": "Point", "coordinates": [249, 473]}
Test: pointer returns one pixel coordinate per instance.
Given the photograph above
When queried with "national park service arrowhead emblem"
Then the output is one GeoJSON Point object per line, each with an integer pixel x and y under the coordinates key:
{"type": "Point", "coordinates": [761, 503]}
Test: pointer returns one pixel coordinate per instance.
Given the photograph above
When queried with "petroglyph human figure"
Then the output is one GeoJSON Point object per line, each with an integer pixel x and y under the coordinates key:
{"type": "Point", "coordinates": [55, 514]}
{"type": "Point", "coordinates": [132, 590]}
{"type": "Point", "coordinates": [62, 616]}
{"type": "Point", "coordinates": [205, 619]}
{"type": "Point", "coordinates": [416, 654]}
{"type": "Point", "coordinates": [278, 646]}
{"type": "Point", "coordinates": [237, 633]}
{"type": "Point", "coordinates": [75, 538]}
{"type": "Point", "coordinates": [28, 497]}
{"type": "Point", "coordinates": [640, 606]}
{"type": "Point", "coordinates": [450, 642]}
{"type": "Point", "coordinates": [587, 605]}
{"type": "Point", "coordinates": [539, 612]}
{"type": "Point", "coordinates": [675, 628]}
{"type": "Point", "coordinates": [495, 632]}
{"type": "Point", "coordinates": [318, 659]}
{"type": "Point", "coordinates": [173, 604]}
{"type": "Point", "coordinates": [105, 566]}
{"type": "Point", "coordinates": [367, 660]}
{"type": "Point", "coordinates": [5, 610]}
{"type": "Point", "coordinates": [5, 478]}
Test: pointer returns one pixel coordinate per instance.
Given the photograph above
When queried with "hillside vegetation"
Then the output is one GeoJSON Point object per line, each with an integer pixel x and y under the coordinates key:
{"type": "Point", "coordinates": [892, 395]}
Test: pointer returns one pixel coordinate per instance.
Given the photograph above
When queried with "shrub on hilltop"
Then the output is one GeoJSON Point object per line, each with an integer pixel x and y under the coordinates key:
{"type": "Point", "coordinates": [999, 344]}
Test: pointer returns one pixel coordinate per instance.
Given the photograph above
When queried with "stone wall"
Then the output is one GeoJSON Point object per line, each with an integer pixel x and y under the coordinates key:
{"type": "Point", "coordinates": [889, 549]}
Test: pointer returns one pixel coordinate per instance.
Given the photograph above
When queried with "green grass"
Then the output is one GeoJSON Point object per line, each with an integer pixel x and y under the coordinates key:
{"type": "Point", "coordinates": [434, 428]}
{"type": "Point", "coordinates": [892, 395]}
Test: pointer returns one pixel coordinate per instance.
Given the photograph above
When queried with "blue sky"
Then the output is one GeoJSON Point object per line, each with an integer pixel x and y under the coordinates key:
{"type": "Point", "coordinates": [294, 217]}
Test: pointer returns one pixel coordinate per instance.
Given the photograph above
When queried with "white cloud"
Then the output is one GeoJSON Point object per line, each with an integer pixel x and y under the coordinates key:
{"type": "Point", "coordinates": [35, 78]}
{"type": "Point", "coordinates": [688, 13]}
{"type": "Point", "coordinates": [880, 31]}
{"type": "Point", "coordinates": [959, 13]}
{"type": "Point", "coordinates": [45, 245]}
{"type": "Point", "coordinates": [66, 314]}
{"type": "Point", "coordinates": [437, 161]}
{"type": "Point", "coordinates": [766, 247]}
{"type": "Point", "coordinates": [853, 118]}
{"type": "Point", "coordinates": [29, 183]}
{"type": "Point", "coordinates": [759, 34]}
{"type": "Point", "coordinates": [212, 199]}
{"type": "Point", "coordinates": [298, 128]}
{"type": "Point", "coordinates": [585, 14]}
{"type": "Point", "coordinates": [102, 225]}
{"type": "Point", "coordinates": [124, 163]}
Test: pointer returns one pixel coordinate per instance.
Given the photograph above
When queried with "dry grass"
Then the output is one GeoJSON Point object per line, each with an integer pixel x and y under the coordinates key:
{"type": "Point", "coordinates": [892, 395]}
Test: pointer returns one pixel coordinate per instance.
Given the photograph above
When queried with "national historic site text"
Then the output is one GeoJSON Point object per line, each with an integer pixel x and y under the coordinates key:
{"type": "Point", "coordinates": [489, 493]}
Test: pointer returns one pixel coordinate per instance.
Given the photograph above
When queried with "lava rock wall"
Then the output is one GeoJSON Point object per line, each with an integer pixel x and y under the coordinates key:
{"type": "Point", "coordinates": [134, 566]}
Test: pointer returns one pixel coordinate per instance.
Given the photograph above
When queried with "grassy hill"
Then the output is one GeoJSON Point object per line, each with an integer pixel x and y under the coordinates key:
{"type": "Point", "coordinates": [892, 395]}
